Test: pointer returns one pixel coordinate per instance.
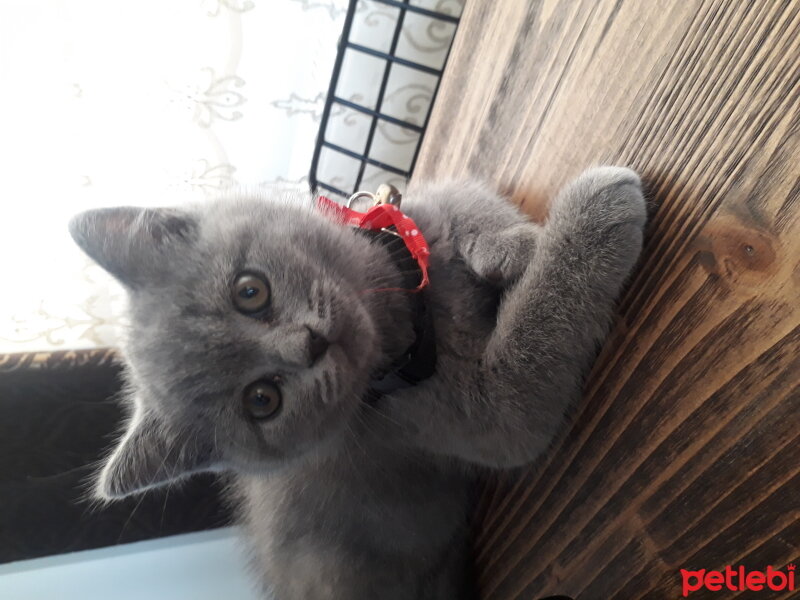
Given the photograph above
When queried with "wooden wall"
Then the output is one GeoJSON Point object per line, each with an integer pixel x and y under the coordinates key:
{"type": "Point", "coordinates": [685, 451]}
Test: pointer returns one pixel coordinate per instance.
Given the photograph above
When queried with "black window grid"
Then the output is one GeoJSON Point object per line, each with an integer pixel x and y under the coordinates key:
{"type": "Point", "coordinates": [390, 58]}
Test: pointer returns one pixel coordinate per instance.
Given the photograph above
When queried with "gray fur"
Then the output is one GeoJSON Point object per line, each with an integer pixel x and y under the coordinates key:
{"type": "Point", "coordinates": [343, 499]}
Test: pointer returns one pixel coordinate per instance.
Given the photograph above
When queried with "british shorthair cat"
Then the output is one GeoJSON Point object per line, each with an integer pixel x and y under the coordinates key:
{"type": "Point", "coordinates": [284, 350]}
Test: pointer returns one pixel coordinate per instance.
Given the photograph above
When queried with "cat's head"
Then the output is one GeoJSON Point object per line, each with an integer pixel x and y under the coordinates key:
{"type": "Point", "coordinates": [251, 336]}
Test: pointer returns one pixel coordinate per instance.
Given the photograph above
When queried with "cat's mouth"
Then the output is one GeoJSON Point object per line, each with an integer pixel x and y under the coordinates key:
{"type": "Point", "coordinates": [348, 354]}
{"type": "Point", "coordinates": [352, 342]}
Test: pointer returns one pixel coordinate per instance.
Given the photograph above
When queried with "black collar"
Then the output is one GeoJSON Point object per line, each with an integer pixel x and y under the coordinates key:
{"type": "Point", "coordinates": [418, 362]}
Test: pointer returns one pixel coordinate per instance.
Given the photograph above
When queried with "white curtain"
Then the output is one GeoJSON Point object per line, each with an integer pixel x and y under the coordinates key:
{"type": "Point", "coordinates": [155, 103]}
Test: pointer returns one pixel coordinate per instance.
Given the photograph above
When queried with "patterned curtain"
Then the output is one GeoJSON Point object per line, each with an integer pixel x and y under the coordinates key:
{"type": "Point", "coordinates": [158, 103]}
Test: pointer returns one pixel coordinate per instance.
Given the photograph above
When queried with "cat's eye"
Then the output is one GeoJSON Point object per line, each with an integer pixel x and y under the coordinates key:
{"type": "Point", "coordinates": [250, 293]}
{"type": "Point", "coordinates": [262, 399]}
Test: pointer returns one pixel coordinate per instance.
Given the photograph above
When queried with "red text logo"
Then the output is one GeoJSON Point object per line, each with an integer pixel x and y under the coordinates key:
{"type": "Point", "coordinates": [738, 580]}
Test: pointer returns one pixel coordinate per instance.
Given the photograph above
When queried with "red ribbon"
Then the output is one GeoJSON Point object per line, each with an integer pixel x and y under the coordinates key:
{"type": "Point", "coordinates": [378, 217]}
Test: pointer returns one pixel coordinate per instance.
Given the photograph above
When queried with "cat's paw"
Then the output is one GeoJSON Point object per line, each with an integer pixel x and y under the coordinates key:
{"type": "Point", "coordinates": [603, 197]}
{"type": "Point", "coordinates": [598, 220]}
{"type": "Point", "coordinates": [501, 257]}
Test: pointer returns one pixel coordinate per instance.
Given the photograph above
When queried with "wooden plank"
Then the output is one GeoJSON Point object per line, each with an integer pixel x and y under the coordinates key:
{"type": "Point", "coordinates": [684, 452]}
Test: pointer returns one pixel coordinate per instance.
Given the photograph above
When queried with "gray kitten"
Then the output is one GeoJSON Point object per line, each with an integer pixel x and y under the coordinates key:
{"type": "Point", "coordinates": [257, 326]}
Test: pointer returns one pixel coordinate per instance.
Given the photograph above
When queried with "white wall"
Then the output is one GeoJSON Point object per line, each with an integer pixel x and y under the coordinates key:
{"type": "Point", "coordinates": [209, 565]}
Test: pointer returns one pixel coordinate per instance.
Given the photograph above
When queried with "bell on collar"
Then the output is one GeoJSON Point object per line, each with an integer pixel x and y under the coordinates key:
{"type": "Point", "coordinates": [386, 194]}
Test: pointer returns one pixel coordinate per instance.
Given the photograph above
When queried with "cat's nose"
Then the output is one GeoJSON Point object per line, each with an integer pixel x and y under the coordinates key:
{"type": "Point", "coordinates": [318, 345]}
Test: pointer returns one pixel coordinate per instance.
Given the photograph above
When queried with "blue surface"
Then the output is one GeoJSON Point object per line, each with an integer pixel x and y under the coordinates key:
{"type": "Point", "coordinates": [208, 565]}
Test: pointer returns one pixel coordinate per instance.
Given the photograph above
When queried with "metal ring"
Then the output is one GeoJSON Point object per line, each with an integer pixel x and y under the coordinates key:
{"type": "Point", "coordinates": [394, 233]}
{"type": "Point", "coordinates": [359, 195]}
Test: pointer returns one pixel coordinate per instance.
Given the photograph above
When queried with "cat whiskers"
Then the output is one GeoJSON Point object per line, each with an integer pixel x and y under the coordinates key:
{"type": "Point", "coordinates": [318, 391]}
{"type": "Point", "coordinates": [391, 277]}
{"type": "Point", "coordinates": [366, 482]}
{"type": "Point", "coordinates": [326, 378]}
{"type": "Point", "coordinates": [367, 406]}
{"type": "Point", "coordinates": [382, 284]}
{"type": "Point", "coordinates": [337, 379]}
{"type": "Point", "coordinates": [142, 494]}
{"type": "Point", "coordinates": [60, 474]}
{"type": "Point", "coordinates": [164, 508]}
{"type": "Point", "coordinates": [89, 486]}
{"type": "Point", "coordinates": [390, 477]}
{"type": "Point", "coordinates": [216, 443]}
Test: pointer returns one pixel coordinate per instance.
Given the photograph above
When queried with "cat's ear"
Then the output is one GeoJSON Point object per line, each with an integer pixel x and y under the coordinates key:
{"type": "Point", "coordinates": [148, 457]}
{"type": "Point", "coordinates": [132, 244]}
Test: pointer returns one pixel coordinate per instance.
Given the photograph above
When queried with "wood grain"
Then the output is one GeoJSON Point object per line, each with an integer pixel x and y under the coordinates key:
{"type": "Point", "coordinates": [685, 450]}
{"type": "Point", "coordinates": [58, 359]}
